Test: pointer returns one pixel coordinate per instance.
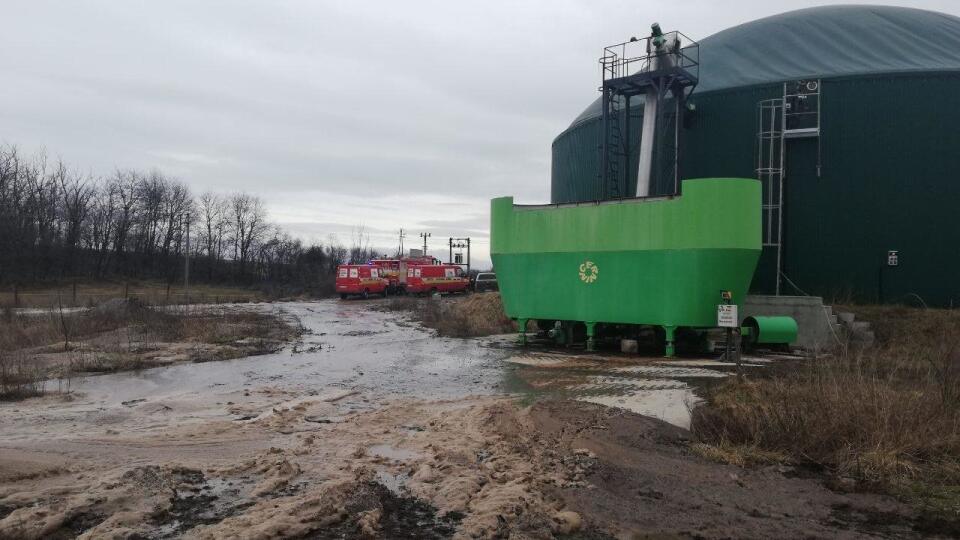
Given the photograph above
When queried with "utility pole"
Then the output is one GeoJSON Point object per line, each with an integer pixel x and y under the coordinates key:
{"type": "Point", "coordinates": [424, 235]}
{"type": "Point", "coordinates": [460, 243]}
{"type": "Point", "coordinates": [400, 247]}
{"type": "Point", "coordinates": [186, 266]}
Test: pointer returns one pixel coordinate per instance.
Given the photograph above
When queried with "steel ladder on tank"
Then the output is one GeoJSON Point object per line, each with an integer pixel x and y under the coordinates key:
{"type": "Point", "coordinates": [614, 149]}
{"type": "Point", "coordinates": [780, 119]}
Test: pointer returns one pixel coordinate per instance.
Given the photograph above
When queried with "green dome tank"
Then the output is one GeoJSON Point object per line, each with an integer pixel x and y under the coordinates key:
{"type": "Point", "coordinates": [881, 175]}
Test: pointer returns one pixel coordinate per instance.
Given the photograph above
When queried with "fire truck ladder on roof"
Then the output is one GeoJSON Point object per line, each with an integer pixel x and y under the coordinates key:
{"type": "Point", "coordinates": [795, 115]}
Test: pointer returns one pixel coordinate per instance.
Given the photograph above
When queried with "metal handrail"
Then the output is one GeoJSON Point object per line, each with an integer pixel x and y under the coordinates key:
{"type": "Point", "coordinates": [617, 59]}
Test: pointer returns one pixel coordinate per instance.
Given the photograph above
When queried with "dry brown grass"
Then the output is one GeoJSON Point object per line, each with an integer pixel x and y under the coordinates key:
{"type": "Point", "coordinates": [475, 315]}
{"type": "Point", "coordinates": [887, 416]}
{"type": "Point", "coordinates": [19, 378]}
{"type": "Point", "coordinates": [741, 455]}
{"type": "Point", "coordinates": [123, 335]}
{"type": "Point", "coordinates": [154, 293]}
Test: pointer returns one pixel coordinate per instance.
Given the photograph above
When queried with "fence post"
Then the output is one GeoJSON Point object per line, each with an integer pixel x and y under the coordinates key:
{"type": "Point", "coordinates": [74, 292]}
{"type": "Point", "coordinates": [16, 297]}
{"type": "Point", "coordinates": [126, 290]}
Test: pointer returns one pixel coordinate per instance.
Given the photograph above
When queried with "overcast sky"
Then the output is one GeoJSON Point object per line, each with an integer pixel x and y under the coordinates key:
{"type": "Point", "coordinates": [384, 114]}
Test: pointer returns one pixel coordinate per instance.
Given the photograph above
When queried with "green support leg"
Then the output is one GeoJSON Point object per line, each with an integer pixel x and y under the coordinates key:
{"type": "Point", "coordinates": [590, 334]}
{"type": "Point", "coordinates": [522, 324]}
{"type": "Point", "coordinates": [670, 351]}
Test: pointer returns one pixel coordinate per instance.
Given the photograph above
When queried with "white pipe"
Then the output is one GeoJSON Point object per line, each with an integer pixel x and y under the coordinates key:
{"type": "Point", "coordinates": [645, 162]}
{"type": "Point", "coordinates": [661, 57]}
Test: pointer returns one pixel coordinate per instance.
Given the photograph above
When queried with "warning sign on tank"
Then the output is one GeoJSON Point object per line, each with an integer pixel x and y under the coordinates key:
{"type": "Point", "coordinates": [727, 315]}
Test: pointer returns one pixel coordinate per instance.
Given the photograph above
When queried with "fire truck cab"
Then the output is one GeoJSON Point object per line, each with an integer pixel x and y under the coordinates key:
{"type": "Point", "coordinates": [360, 279]}
{"type": "Point", "coordinates": [436, 278]}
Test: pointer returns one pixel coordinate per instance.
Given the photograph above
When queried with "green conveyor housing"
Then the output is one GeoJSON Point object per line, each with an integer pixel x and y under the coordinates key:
{"type": "Point", "coordinates": [651, 261]}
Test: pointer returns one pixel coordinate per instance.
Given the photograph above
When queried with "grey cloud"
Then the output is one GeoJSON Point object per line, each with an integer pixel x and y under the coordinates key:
{"type": "Point", "coordinates": [339, 112]}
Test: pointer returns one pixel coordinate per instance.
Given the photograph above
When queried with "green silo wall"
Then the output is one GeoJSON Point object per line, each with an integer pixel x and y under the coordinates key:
{"type": "Point", "coordinates": [576, 164]}
{"type": "Point", "coordinates": [889, 160]}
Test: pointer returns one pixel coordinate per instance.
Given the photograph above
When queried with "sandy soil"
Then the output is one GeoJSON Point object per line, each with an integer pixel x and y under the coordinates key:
{"type": "Point", "coordinates": [468, 468]}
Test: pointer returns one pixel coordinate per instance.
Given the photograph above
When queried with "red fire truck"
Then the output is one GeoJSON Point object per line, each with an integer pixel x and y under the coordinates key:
{"type": "Point", "coordinates": [436, 278]}
{"type": "Point", "coordinates": [396, 270]}
{"type": "Point", "coordinates": [361, 279]}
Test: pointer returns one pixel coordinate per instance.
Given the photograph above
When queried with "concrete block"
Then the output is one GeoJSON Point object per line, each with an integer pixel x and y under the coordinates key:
{"type": "Point", "coordinates": [629, 346]}
{"type": "Point", "coordinates": [846, 317]}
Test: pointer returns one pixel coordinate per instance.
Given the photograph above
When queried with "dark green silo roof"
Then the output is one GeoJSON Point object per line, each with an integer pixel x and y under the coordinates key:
{"type": "Point", "coordinates": [825, 42]}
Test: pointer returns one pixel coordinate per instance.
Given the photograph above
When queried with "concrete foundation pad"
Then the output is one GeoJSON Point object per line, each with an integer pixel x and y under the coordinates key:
{"type": "Point", "coordinates": [813, 318]}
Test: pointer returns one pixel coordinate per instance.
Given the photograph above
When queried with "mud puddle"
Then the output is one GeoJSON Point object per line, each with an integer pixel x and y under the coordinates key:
{"type": "Point", "coordinates": [198, 500]}
{"type": "Point", "coordinates": [397, 515]}
{"type": "Point", "coordinates": [666, 389]}
{"type": "Point", "coordinates": [348, 347]}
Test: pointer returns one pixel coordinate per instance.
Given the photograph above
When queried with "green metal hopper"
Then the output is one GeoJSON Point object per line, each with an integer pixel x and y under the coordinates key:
{"type": "Point", "coordinates": [647, 261]}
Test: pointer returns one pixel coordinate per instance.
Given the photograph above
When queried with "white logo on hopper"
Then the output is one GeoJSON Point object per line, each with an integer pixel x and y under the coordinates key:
{"type": "Point", "coordinates": [589, 272]}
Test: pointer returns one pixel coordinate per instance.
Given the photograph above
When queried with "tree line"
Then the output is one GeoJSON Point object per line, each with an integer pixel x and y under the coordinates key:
{"type": "Point", "coordinates": [57, 223]}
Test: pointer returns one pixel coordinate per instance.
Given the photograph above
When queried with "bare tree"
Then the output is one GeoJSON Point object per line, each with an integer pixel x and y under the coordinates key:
{"type": "Point", "coordinates": [76, 194]}
{"type": "Point", "coordinates": [177, 207]}
{"type": "Point", "coordinates": [100, 227]}
{"type": "Point", "coordinates": [214, 224]}
{"type": "Point", "coordinates": [56, 221]}
{"type": "Point", "coordinates": [337, 254]}
{"type": "Point", "coordinates": [249, 226]}
{"type": "Point", "coordinates": [151, 192]}
{"type": "Point", "coordinates": [360, 251]}
{"type": "Point", "coordinates": [123, 193]}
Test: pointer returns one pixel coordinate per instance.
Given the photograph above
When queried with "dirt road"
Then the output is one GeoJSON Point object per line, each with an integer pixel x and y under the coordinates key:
{"type": "Point", "coordinates": [372, 427]}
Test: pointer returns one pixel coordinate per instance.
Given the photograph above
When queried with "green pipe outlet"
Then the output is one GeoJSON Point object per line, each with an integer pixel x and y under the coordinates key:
{"type": "Point", "coordinates": [777, 330]}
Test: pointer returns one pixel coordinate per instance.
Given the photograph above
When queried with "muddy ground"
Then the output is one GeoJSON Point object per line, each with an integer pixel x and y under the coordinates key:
{"type": "Point", "coordinates": [373, 427]}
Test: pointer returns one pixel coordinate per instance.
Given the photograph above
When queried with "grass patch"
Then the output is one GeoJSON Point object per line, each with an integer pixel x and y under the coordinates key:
{"type": "Point", "coordinates": [121, 335]}
{"type": "Point", "coordinates": [19, 379]}
{"type": "Point", "coordinates": [741, 455]}
{"type": "Point", "coordinates": [887, 416]}
{"type": "Point", "coordinates": [474, 315]}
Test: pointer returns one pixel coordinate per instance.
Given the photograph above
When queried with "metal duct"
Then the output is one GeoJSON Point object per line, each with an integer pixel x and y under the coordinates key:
{"type": "Point", "coordinates": [662, 49]}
